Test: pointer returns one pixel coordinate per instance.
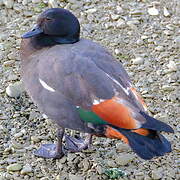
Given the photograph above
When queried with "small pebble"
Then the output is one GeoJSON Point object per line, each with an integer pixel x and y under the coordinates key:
{"type": "Point", "coordinates": [138, 60]}
{"type": "Point", "coordinates": [144, 37]}
{"type": "Point", "coordinates": [35, 139]}
{"type": "Point", "coordinates": [17, 145]}
{"type": "Point", "coordinates": [14, 167]}
{"type": "Point", "coordinates": [1, 3]}
{"type": "Point", "coordinates": [136, 12]}
{"type": "Point", "coordinates": [99, 169]}
{"type": "Point", "coordinates": [124, 159]}
{"type": "Point", "coordinates": [120, 23]}
{"type": "Point", "coordinates": [172, 66]}
{"type": "Point", "coordinates": [177, 41]}
{"type": "Point", "coordinates": [11, 161]}
{"type": "Point", "coordinates": [53, 3]}
{"type": "Point", "coordinates": [25, 2]}
{"type": "Point", "coordinates": [159, 48]}
{"type": "Point", "coordinates": [75, 177]}
{"type": "Point", "coordinates": [44, 116]}
{"type": "Point", "coordinates": [8, 63]}
{"type": "Point", "coordinates": [115, 16]}
{"type": "Point", "coordinates": [170, 27]}
{"type": "Point", "coordinates": [71, 157]}
{"type": "Point", "coordinates": [26, 169]}
{"type": "Point", "coordinates": [166, 12]}
{"type": "Point", "coordinates": [44, 178]}
{"type": "Point", "coordinates": [12, 77]}
{"type": "Point", "coordinates": [86, 165]}
{"type": "Point", "coordinates": [72, 1]}
{"type": "Point", "coordinates": [117, 51]}
{"type": "Point", "coordinates": [139, 175]}
{"type": "Point", "coordinates": [146, 177]}
{"type": "Point", "coordinates": [91, 10]}
{"type": "Point", "coordinates": [167, 88]}
{"type": "Point", "coordinates": [19, 134]}
{"type": "Point", "coordinates": [119, 9]}
{"type": "Point", "coordinates": [120, 147]}
{"type": "Point", "coordinates": [8, 3]}
{"type": "Point", "coordinates": [156, 174]}
{"type": "Point", "coordinates": [111, 163]}
{"type": "Point", "coordinates": [36, 1]}
{"type": "Point", "coordinates": [63, 160]}
{"type": "Point", "coordinates": [168, 32]}
{"type": "Point", "coordinates": [58, 177]}
{"type": "Point", "coordinates": [153, 11]}
{"type": "Point", "coordinates": [8, 149]}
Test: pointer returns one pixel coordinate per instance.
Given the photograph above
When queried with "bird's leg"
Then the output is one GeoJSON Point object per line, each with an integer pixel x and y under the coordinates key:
{"type": "Point", "coordinates": [52, 150]}
{"type": "Point", "coordinates": [59, 146]}
{"type": "Point", "coordinates": [78, 144]}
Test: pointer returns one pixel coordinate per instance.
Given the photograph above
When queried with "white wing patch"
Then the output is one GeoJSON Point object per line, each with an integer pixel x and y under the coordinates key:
{"type": "Point", "coordinates": [46, 86]}
{"type": "Point", "coordinates": [95, 102]}
{"type": "Point", "coordinates": [124, 89]}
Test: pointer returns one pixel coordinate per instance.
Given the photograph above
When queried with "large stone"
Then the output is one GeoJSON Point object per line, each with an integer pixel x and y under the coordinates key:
{"type": "Point", "coordinates": [15, 89]}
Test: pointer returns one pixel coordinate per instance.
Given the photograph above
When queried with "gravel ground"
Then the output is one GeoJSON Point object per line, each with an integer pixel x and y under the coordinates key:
{"type": "Point", "coordinates": [145, 36]}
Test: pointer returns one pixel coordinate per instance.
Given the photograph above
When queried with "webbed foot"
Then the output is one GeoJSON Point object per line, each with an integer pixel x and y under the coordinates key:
{"type": "Point", "coordinates": [49, 151]}
{"type": "Point", "coordinates": [77, 144]}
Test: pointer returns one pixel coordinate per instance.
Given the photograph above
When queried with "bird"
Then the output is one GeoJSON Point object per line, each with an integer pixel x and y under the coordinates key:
{"type": "Point", "coordinates": [79, 85]}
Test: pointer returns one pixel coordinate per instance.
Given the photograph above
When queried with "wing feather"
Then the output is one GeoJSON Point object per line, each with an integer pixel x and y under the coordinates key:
{"type": "Point", "coordinates": [86, 73]}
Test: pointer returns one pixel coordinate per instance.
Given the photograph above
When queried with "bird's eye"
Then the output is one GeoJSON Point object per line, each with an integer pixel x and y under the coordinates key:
{"type": "Point", "coordinates": [48, 19]}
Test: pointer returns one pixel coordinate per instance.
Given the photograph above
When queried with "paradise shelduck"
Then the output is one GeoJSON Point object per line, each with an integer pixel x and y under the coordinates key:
{"type": "Point", "coordinates": [79, 85]}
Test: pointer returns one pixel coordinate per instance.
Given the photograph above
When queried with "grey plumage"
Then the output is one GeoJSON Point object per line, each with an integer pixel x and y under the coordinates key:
{"type": "Point", "coordinates": [79, 73]}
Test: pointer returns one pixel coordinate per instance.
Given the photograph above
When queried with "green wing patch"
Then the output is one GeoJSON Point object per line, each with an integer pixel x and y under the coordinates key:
{"type": "Point", "coordinates": [89, 116]}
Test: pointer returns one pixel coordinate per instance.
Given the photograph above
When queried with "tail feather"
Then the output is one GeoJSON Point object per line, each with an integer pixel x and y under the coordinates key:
{"type": "Point", "coordinates": [146, 147]}
{"type": "Point", "coordinates": [155, 124]}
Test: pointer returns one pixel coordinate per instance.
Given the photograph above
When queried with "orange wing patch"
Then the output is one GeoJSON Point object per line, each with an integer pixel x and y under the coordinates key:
{"type": "Point", "coordinates": [139, 98]}
{"type": "Point", "coordinates": [115, 113]}
{"type": "Point", "coordinates": [141, 131]}
{"type": "Point", "coordinates": [113, 134]}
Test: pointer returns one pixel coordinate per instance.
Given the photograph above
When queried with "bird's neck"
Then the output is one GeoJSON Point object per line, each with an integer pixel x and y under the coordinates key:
{"type": "Point", "coordinates": [43, 40]}
{"type": "Point", "coordinates": [30, 45]}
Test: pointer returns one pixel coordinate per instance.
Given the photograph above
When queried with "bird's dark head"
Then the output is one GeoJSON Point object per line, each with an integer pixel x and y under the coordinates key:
{"type": "Point", "coordinates": [55, 26]}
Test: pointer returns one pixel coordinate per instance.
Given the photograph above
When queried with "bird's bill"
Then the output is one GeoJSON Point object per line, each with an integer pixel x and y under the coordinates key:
{"type": "Point", "coordinates": [34, 32]}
